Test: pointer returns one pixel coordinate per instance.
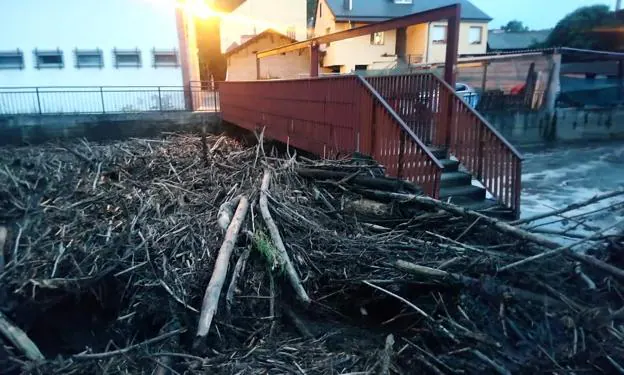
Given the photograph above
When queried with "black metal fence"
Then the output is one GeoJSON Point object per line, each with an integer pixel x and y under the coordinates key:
{"type": "Point", "coordinates": [197, 96]}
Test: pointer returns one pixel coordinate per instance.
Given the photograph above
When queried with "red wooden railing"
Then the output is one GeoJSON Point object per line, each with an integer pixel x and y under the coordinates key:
{"type": "Point", "coordinates": [483, 150]}
{"type": "Point", "coordinates": [415, 100]}
{"type": "Point", "coordinates": [332, 115]}
{"type": "Point", "coordinates": [437, 115]}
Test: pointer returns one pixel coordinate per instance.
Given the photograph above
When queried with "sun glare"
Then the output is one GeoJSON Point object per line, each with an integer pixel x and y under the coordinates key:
{"type": "Point", "coordinates": [202, 10]}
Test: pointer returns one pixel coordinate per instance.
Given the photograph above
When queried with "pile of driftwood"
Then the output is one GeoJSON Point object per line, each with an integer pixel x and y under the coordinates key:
{"type": "Point", "coordinates": [195, 254]}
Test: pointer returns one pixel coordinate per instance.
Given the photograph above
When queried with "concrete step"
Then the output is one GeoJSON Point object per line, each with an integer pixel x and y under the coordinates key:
{"type": "Point", "coordinates": [450, 165]}
{"type": "Point", "coordinates": [439, 152]}
{"type": "Point", "coordinates": [451, 179]}
{"type": "Point", "coordinates": [469, 191]}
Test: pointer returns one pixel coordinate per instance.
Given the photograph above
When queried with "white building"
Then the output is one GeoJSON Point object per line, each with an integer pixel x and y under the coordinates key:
{"type": "Point", "coordinates": [252, 17]}
{"type": "Point", "coordinates": [95, 43]}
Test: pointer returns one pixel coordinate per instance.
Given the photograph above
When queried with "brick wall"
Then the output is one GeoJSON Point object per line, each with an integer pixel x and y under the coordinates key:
{"type": "Point", "coordinates": [295, 64]}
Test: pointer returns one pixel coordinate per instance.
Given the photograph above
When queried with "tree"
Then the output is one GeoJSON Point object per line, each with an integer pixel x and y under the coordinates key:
{"type": "Point", "coordinates": [515, 26]}
{"type": "Point", "coordinates": [582, 29]}
{"type": "Point", "coordinates": [312, 8]}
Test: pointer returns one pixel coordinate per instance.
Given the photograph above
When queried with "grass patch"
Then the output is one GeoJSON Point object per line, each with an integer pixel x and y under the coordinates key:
{"type": "Point", "coordinates": [264, 245]}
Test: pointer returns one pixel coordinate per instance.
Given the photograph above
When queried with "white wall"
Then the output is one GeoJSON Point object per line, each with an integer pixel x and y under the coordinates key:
{"type": "Point", "coordinates": [436, 53]}
{"type": "Point", "coordinates": [260, 15]}
{"type": "Point", "coordinates": [88, 24]}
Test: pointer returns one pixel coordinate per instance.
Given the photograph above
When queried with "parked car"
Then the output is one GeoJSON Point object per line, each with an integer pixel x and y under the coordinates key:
{"type": "Point", "coordinates": [468, 93]}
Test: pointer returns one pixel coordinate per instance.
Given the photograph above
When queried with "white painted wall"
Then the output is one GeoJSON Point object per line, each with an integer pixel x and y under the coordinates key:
{"type": "Point", "coordinates": [89, 24]}
{"type": "Point", "coordinates": [259, 15]}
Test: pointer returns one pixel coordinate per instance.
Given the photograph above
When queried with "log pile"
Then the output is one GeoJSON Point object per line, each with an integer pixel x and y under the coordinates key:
{"type": "Point", "coordinates": [200, 255]}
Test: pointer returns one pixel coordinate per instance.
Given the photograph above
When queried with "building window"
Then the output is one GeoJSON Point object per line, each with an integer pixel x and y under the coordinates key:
{"type": "Point", "coordinates": [438, 34]}
{"type": "Point", "coordinates": [320, 10]}
{"type": "Point", "coordinates": [475, 35]}
{"type": "Point", "coordinates": [328, 31]}
{"type": "Point", "coordinates": [165, 58]}
{"type": "Point", "coordinates": [359, 68]}
{"type": "Point", "coordinates": [291, 32]}
{"type": "Point", "coordinates": [377, 38]}
{"type": "Point", "coordinates": [49, 59]}
{"type": "Point", "coordinates": [89, 58]}
{"type": "Point", "coordinates": [127, 58]}
{"type": "Point", "coordinates": [11, 60]}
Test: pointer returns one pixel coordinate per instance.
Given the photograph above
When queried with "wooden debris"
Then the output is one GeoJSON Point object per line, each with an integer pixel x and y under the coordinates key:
{"type": "Point", "coordinates": [213, 291]}
{"type": "Point", "coordinates": [487, 287]}
{"type": "Point", "coordinates": [115, 242]}
{"type": "Point", "coordinates": [238, 269]}
{"type": "Point", "coordinates": [19, 338]}
{"type": "Point", "coordinates": [283, 257]}
{"type": "Point", "coordinates": [3, 237]}
{"type": "Point", "coordinates": [571, 207]}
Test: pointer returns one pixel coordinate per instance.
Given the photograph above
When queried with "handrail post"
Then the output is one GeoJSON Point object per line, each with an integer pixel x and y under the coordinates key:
{"type": "Point", "coordinates": [314, 60]}
{"type": "Point", "coordinates": [517, 189]}
{"type": "Point", "coordinates": [102, 99]}
{"type": "Point", "coordinates": [480, 153]}
{"type": "Point", "coordinates": [159, 100]}
{"type": "Point", "coordinates": [401, 154]}
{"type": "Point", "coordinates": [38, 100]}
{"type": "Point", "coordinates": [452, 44]}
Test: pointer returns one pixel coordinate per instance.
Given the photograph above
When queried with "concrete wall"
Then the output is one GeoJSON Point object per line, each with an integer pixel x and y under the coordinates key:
{"type": "Point", "coordinates": [241, 65]}
{"type": "Point", "coordinates": [69, 24]}
{"type": "Point", "coordinates": [436, 53]}
{"type": "Point", "coordinates": [32, 129]}
{"type": "Point", "coordinates": [570, 125]}
{"type": "Point", "coordinates": [255, 16]}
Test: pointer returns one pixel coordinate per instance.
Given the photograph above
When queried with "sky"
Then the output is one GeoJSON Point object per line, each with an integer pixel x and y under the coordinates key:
{"type": "Point", "coordinates": [537, 14]}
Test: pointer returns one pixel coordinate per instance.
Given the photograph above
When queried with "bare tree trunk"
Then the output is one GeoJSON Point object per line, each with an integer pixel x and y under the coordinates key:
{"type": "Point", "coordinates": [213, 291]}
{"type": "Point", "coordinates": [18, 338]}
{"type": "Point", "coordinates": [284, 259]}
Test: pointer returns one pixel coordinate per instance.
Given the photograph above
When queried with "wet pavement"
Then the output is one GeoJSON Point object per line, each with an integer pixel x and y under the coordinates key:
{"type": "Point", "coordinates": [556, 177]}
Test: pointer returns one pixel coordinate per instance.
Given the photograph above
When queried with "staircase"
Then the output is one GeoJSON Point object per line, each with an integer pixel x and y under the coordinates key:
{"type": "Point", "coordinates": [456, 186]}
{"type": "Point", "coordinates": [394, 119]}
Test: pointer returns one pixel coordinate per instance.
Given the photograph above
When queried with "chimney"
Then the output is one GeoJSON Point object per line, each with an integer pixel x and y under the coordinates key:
{"type": "Point", "coordinates": [348, 4]}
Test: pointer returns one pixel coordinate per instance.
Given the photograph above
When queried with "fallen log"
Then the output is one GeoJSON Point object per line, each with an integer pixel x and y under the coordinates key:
{"type": "Point", "coordinates": [508, 229]}
{"type": "Point", "coordinates": [283, 257]}
{"type": "Point", "coordinates": [238, 269]}
{"type": "Point", "coordinates": [381, 183]}
{"type": "Point", "coordinates": [213, 291]}
{"type": "Point", "coordinates": [494, 290]}
{"type": "Point", "coordinates": [367, 207]}
{"type": "Point", "coordinates": [3, 236]}
{"type": "Point", "coordinates": [226, 212]}
{"type": "Point", "coordinates": [562, 249]}
{"type": "Point", "coordinates": [571, 207]}
{"type": "Point", "coordinates": [19, 339]}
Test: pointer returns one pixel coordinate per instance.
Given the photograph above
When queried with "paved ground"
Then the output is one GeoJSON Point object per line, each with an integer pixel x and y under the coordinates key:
{"type": "Point", "coordinates": [555, 178]}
